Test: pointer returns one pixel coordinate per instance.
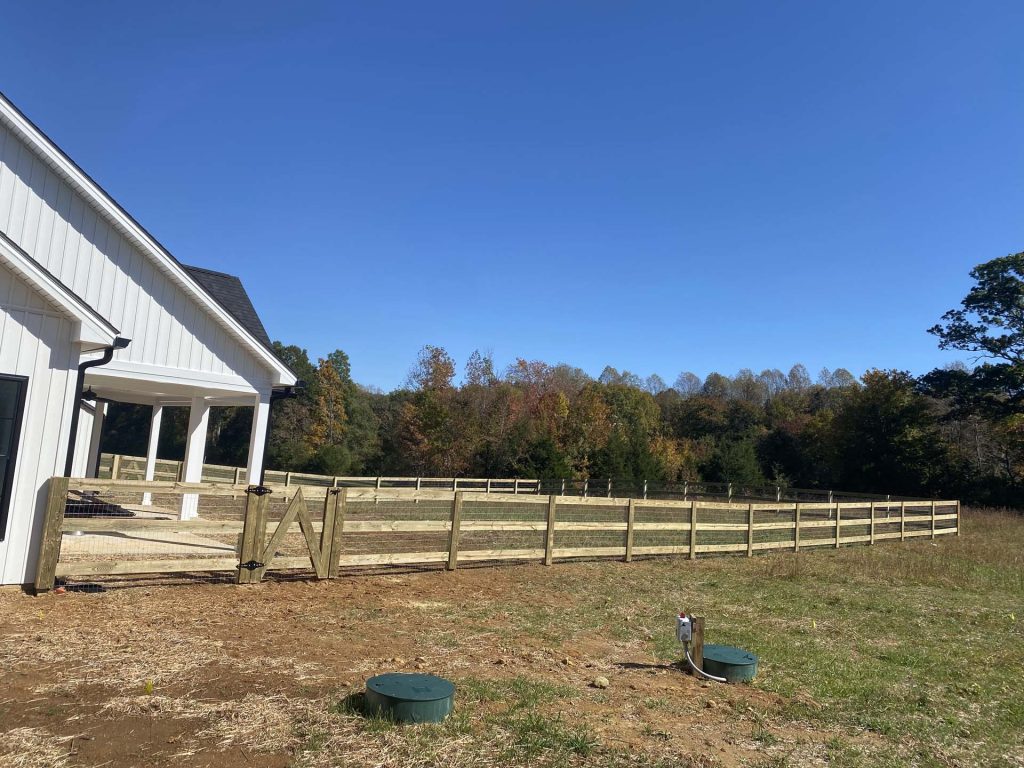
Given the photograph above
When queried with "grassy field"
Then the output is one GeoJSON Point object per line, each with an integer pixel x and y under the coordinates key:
{"type": "Point", "coordinates": [893, 655]}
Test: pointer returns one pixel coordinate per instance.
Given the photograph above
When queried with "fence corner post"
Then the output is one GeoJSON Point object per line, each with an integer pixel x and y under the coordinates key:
{"type": "Point", "coordinates": [549, 539]}
{"type": "Point", "coordinates": [453, 533]}
{"type": "Point", "coordinates": [49, 548]}
{"type": "Point", "coordinates": [933, 519]}
{"type": "Point", "coordinates": [958, 517]}
{"type": "Point", "coordinates": [796, 528]}
{"type": "Point", "coordinates": [872, 531]}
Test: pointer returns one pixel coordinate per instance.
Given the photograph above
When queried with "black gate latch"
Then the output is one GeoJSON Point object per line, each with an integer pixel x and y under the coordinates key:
{"type": "Point", "coordinates": [252, 565]}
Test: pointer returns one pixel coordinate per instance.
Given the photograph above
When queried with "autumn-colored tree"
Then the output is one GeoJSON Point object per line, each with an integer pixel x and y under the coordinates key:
{"type": "Point", "coordinates": [329, 419]}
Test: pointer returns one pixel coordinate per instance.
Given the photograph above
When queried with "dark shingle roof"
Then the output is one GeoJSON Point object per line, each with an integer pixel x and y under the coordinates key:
{"type": "Point", "coordinates": [227, 291]}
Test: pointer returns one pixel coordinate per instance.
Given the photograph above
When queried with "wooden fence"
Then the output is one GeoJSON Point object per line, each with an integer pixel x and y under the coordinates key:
{"type": "Point", "coordinates": [97, 527]}
{"type": "Point", "coordinates": [120, 467]}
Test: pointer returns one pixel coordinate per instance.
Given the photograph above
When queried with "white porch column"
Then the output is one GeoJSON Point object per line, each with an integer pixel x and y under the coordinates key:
{"type": "Point", "coordinates": [258, 438]}
{"type": "Point", "coordinates": [195, 452]}
{"type": "Point", "coordinates": [93, 459]}
{"type": "Point", "coordinates": [154, 439]}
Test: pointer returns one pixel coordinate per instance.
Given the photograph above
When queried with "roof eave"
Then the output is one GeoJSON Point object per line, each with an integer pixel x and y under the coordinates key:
{"type": "Point", "coordinates": [91, 328]}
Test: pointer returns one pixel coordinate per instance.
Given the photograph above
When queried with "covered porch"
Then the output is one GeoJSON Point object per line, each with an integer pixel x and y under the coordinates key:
{"type": "Point", "coordinates": [103, 387]}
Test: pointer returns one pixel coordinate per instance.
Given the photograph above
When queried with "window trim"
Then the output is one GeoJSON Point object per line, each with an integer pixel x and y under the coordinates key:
{"type": "Point", "coordinates": [6, 492]}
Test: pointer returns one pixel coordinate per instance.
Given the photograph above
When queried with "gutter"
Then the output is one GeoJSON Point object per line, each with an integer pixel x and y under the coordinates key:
{"type": "Point", "coordinates": [108, 355]}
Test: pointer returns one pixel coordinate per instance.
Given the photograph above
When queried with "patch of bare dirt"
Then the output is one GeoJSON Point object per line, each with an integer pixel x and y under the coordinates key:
{"type": "Point", "coordinates": [224, 675]}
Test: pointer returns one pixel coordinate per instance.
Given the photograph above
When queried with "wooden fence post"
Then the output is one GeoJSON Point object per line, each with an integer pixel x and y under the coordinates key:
{"type": "Point", "coordinates": [796, 528]}
{"type": "Point", "coordinates": [254, 529]}
{"type": "Point", "coordinates": [49, 549]}
{"type": "Point", "coordinates": [903, 520]}
{"type": "Point", "coordinates": [549, 538]}
{"type": "Point", "coordinates": [609, 487]}
{"type": "Point", "coordinates": [586, 486]}
{"type": "Point", "coordinates": [697, 642]}
{"type": "Point", "coordinates": [335, 502]}
{"type": "Point", "coordinates": [645, 489]}
{"type": "Point", "coordinates": [630, 518]}
{"type": "Point", "coordinates": [839, 521]}
{"type": "Point", "coordinates": [327, 534]}
{"type": "Point", "coordinates": [750, 530]}
{"type": "Point", "coordinates": [686, 489]}
{"type": "Point", "coordinates": [958, 517]}
{"type": "Point", "coordinates": [872, 540]}
{"type": "Point", "coordinates": [453, 534]}
{"type": "Point", "coordinates": [563, 487]}
{"type": "Point", "coordinates": [693, 529]}
{"type": "Point", "coordinates": [115, 466]}
{"type": "Point", "coordinates": [933, 520]}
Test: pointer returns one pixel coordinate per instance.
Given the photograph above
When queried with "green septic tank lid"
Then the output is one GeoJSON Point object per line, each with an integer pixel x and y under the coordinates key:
{"type": "Point", "coordinates": [410, 698]}
{"type": "Point", "coordinates": [734, 664]}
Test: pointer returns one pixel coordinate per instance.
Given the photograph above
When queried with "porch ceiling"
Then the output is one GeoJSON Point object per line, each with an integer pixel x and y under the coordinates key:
{"type": "Point", "coordinates": [148, 392]}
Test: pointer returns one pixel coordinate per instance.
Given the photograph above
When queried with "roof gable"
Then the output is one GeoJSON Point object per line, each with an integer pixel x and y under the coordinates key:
{"type": "Point", "coordinates": [162, 259]}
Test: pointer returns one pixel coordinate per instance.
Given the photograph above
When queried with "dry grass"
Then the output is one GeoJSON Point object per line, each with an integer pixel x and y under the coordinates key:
{"type": "Point", "coordinates": [33, 748]}
{"type": "Point", "coordinates": [254, 722]}
{"type": "Point", "coordinates": [127, 654]}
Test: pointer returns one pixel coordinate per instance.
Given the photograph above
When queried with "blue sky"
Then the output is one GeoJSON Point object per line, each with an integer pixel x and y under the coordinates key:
{"type": "Point", "coordinates": [655, 186]}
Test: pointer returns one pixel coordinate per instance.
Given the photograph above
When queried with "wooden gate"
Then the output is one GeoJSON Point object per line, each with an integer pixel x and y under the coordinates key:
{"type": "Point", "coordinates": [256, 553]}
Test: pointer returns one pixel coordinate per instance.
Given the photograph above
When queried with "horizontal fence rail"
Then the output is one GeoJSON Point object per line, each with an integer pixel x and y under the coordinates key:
{"type": "Point", "coordinates": [98, 527]}
{"type": "Point", "coordinates": [119, 467]}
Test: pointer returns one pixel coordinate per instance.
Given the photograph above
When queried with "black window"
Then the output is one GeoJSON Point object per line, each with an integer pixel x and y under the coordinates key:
{"type": "Point", "coordinates": [12, 408]}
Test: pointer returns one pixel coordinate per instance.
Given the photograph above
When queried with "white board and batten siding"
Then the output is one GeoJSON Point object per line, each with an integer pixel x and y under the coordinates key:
{"type": "Point", "coordinates": [172, 334]}
{"type": "Point", "coordinates": [35, 342]}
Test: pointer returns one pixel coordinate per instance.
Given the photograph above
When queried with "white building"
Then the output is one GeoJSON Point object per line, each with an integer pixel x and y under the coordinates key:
{"type": "Point", "coordinates": [81, 282]}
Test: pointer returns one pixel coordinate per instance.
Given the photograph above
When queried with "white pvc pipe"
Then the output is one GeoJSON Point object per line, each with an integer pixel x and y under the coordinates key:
{"type": "Point", "coordinates": [701, 672]}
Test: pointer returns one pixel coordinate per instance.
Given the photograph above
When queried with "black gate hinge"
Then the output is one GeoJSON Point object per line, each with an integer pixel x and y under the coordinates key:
{"type": "Point", "coordinates": [252, 565]}
{"type": "Point", "coordinates": [259, 490]}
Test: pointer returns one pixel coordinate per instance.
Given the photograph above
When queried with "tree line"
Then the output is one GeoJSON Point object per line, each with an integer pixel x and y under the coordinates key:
{"type": "Point", "coordinates": [956, 432]}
